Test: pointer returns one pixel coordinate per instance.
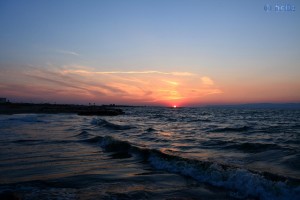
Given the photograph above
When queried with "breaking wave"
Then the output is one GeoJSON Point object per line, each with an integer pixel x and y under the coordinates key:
{"type": "Point", "coordinates": [242, 183]}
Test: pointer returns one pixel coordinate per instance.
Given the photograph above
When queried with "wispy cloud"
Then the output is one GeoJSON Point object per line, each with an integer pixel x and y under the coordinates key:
{"type": "Point", "coordinates": [80, 71]}
{"type": "Point", "coordinates": [171, 82]}
{"type": "Point", "coordinates": [155, 86]}
{"type": "Point", "coordinates": [66, 52]}
{"type": "Point", "coordinates": [207, 81]}
{"type": "Point", "coordinates": [112, 86]}
{"type": "Point", "coordinates": [66, 81]}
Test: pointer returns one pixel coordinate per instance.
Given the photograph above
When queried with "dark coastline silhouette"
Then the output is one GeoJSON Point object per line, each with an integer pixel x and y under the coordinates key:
{"type": "Point", "coordinates": [20, 108]}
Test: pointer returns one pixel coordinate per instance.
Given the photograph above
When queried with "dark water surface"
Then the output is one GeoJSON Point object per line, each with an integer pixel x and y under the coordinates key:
{"type": "Point", "coordinates": [152, 153]}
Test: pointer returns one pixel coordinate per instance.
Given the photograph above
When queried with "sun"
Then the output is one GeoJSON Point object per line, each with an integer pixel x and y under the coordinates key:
{"type": "Point", "coordinates": [174, 106]}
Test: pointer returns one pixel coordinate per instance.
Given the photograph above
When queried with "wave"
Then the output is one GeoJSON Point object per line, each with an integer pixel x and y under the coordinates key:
{"type": "Point", "coordinates": [254, 147]}
{"type": "Point", "coordinates": [296, 126]}
{"type": "Point", "coordinates": [150, 130]}
{"type": "Point", "coordinates": [231, 129]}
{"type": "Point", "coordinates": [28, 118]}
{"type": "Point", "coordinates": [40, 142]}
{"type": "Point", "coordinates": [83, 134]}
{"type": "Point", "coordinates": [216, 143]}
{"type": "Point", "coordinates": [242, 183]}
{"type": "Point", "coordinates": [246, 147]}
{"type": "Point", "coordinates": [197, 120]}
{"type": "Point", "coordinates": [95, 139]}
{"type": "Point", "coordinates": [106, 124]}
{"type": "Point", "coordinates": [24, 141]}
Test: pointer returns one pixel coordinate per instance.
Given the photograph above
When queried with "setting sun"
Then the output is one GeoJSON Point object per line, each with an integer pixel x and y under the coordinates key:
{"type": "Point", "coordinates": [174, 106]}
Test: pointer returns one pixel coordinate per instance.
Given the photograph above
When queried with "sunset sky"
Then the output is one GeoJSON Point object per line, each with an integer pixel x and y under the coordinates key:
{"type": "Point", "coordinates": [149, 52]}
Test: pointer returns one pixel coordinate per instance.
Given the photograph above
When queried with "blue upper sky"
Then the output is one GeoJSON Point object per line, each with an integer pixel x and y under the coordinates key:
{"type": "Point", "coordinates": [220, 39]}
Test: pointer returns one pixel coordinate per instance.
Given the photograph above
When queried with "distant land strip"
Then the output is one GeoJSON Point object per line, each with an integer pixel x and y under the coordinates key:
{"type": "Point", "coordinates": [22, 108]}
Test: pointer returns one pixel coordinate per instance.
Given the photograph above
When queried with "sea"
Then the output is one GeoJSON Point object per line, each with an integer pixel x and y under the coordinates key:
{"type": "Point", "coordinates": [152, 153]}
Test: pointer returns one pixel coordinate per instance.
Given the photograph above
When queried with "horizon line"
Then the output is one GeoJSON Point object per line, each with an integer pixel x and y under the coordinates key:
{"type": "Point", "coordinates": [147, 105]}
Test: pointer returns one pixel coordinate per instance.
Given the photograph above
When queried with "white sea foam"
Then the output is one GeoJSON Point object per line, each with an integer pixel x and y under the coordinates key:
{"type": "Point", "coordinates": [242, 182]}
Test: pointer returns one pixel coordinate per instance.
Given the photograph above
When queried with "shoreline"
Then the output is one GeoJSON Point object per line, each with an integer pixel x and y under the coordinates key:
{"type": "Point", "coordinates": [26, 108]}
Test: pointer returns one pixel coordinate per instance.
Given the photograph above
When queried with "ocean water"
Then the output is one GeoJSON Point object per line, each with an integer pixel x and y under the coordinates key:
{"type": "Point", "coordinates": [152, 153]}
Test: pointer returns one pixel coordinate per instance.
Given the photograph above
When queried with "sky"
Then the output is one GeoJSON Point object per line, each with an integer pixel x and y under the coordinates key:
{"type": "Point", "coordinates": [150, 52]}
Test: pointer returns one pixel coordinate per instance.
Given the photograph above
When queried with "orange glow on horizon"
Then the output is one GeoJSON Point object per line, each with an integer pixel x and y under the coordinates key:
{"type": "Point", "coordinates": [149, 87]}
{"type": "Point", "coordinates": [139, 88]}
